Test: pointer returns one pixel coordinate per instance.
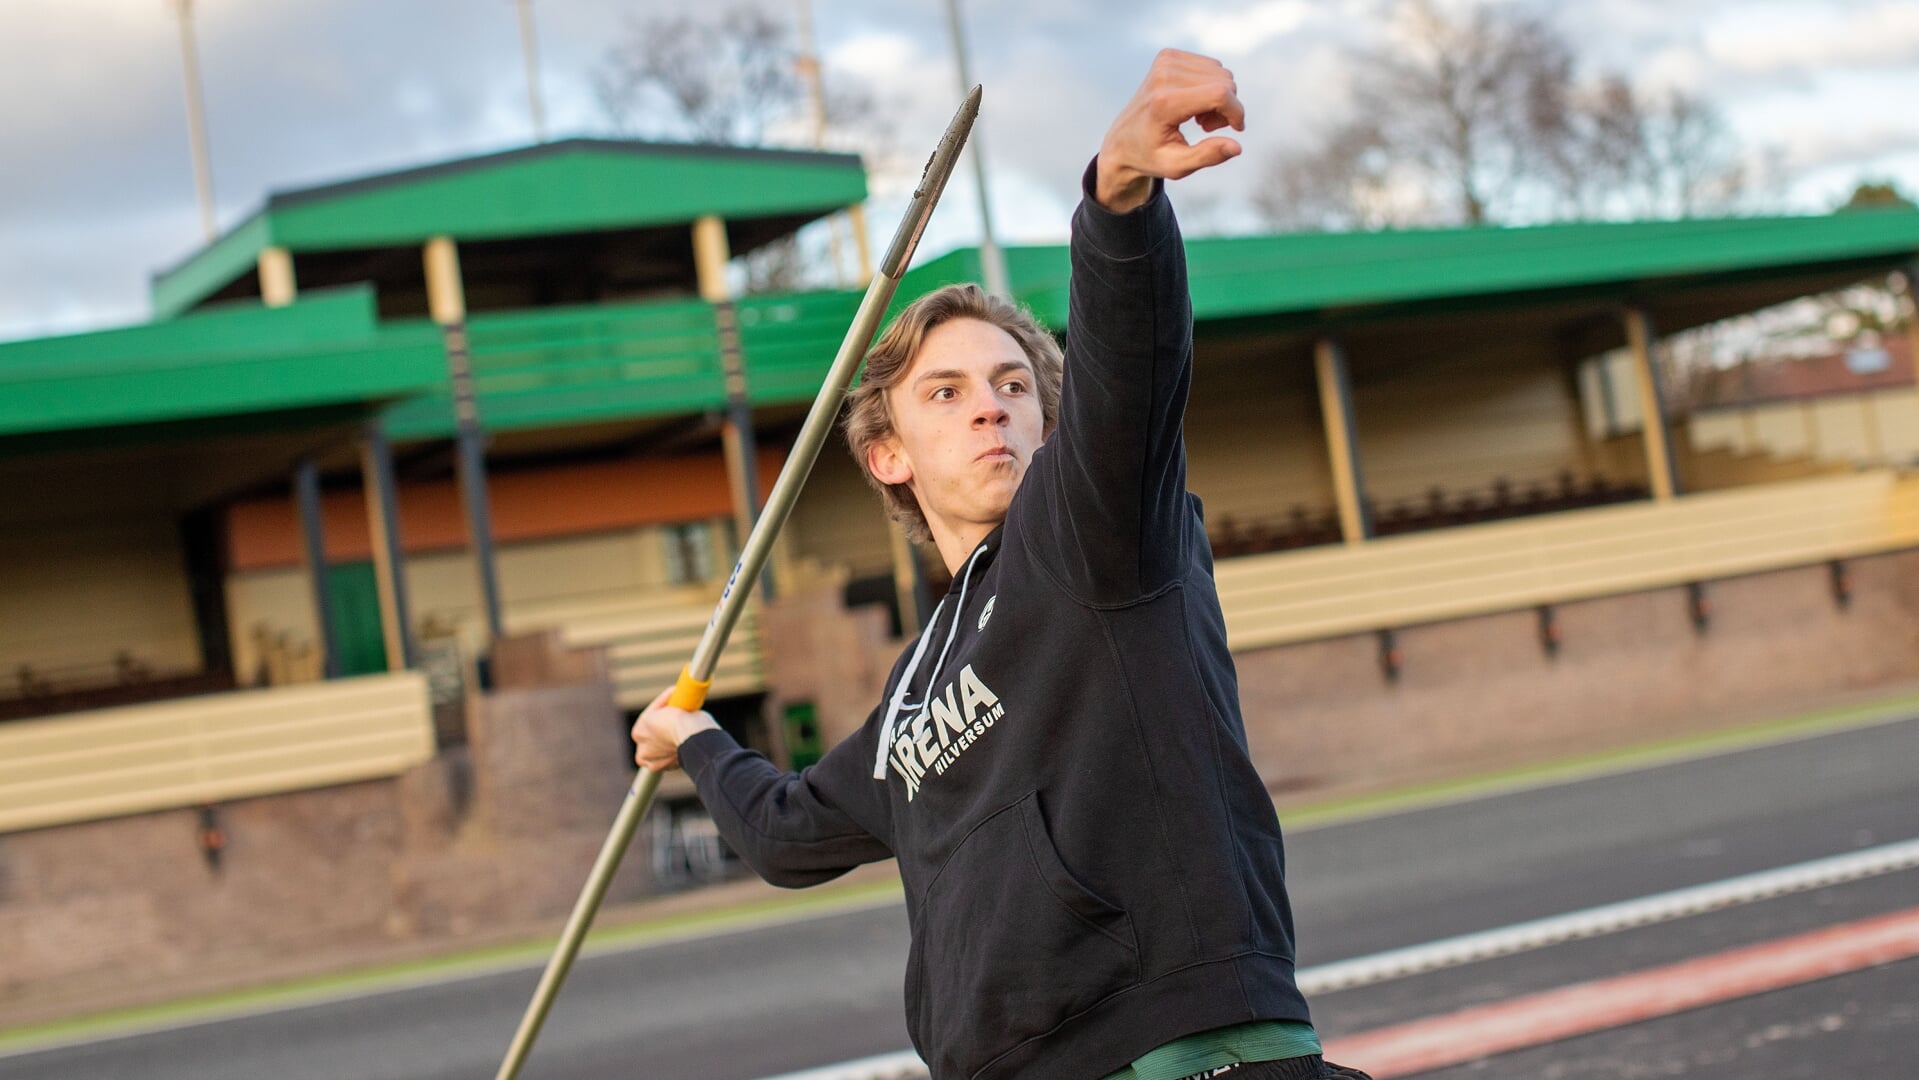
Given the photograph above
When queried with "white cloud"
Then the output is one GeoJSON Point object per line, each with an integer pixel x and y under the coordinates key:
{"type": "Point", "coordinates": [1238, 32]}
{"type": "Point", "coordinates": [1777, 38]}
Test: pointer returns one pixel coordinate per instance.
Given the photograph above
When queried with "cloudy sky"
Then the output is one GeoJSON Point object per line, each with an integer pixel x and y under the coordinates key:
{"type": "Point", "coordinates": [96, 186]}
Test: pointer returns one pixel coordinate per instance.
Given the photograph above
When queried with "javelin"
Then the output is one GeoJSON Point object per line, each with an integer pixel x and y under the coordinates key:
{"type": "Point", "coordinates": [689, 692]}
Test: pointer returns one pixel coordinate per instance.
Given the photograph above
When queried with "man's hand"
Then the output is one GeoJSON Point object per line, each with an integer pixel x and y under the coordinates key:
{"type": "Point", "coordinates": [660, 730]}
{"type": "Point", "coordinates": [1145, 142]}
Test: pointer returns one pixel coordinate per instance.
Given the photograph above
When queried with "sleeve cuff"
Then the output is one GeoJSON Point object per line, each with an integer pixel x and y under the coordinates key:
{"type": "Point", "coordinates": [699, 751]}
{"type": "Point", "coordinates": [1122, 236]}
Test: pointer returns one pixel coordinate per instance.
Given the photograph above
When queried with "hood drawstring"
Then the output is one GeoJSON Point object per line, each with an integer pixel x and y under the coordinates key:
{"type": "Point", "coordinates": [919, 653]}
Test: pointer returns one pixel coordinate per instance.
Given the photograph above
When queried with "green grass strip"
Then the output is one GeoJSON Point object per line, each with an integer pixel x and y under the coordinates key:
{"type": "Point", "coordinates": [532, 951]}
{"type": "Point", "coordinates": [1598, 763]}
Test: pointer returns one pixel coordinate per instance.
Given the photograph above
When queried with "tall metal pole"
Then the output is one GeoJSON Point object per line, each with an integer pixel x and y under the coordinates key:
{"type": "Point", "coordinates": [529, 45]}
{"type": "Point", "coordinates": [992, 262]}
{"type": "Point", "coordinates": [196, 119]}
{"type": "Point", "coordinates": [690, 691]}
{"type": "Point", "coordinates": [809, 65]}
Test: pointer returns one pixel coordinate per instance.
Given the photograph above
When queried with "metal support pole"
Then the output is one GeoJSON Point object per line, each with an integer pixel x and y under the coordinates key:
{"type": "Point", "coordinates": [471, 446]}
{"type": "Point", "coordinates": [196, 121]}
{"type": "Point", "coordinates": [306, 496]}
{"type": "Point", "coordinates": [389, 554]}
{"type": "Point", "coordinates": [446, 301]}
{"type": "Point", "coordinates": [1661, 467]}
{"type": "Point", "coordinates": [530, 48]}
{"type": "Point", "coordinates": [992, 261]}
{"type": "Point", "coordinates": [1912, 320]}
{"type": "Point", "coordinates": [1342, 440]}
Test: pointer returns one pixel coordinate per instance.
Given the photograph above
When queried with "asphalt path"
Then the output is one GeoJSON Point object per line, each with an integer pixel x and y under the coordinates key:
{"type": "Point", "coordinates": [753, 1003]}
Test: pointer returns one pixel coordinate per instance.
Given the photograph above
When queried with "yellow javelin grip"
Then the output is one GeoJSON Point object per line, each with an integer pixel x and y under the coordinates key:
{"type": "Point", "coordinates": [689, 693]}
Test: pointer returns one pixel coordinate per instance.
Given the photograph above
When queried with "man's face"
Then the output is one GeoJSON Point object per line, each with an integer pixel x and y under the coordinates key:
{"type": "Point", "coordinates": [966, 420]}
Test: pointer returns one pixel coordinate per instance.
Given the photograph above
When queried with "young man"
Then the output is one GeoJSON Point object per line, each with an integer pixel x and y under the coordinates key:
{"type": "Point", "coordinates": [1094, 873]}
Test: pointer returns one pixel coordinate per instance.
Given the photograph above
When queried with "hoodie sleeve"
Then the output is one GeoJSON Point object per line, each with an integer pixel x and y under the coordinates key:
{"type": "Point", "coordinates": [1109, 517]}
{"type": "Point", "coordinates": [793, 829]}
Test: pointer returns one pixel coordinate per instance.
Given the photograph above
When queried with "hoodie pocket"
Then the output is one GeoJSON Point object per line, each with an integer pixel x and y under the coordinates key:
{"type": "Point", "coordinates": [1011, 945]}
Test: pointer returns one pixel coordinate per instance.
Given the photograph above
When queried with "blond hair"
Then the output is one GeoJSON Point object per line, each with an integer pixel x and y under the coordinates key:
{"type": "Point", "coordinates": [869, 419]}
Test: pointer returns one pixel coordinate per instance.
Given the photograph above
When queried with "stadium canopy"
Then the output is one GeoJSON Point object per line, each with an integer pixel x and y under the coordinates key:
{"type": "Point", "coordinates": [1420, 293]}
{"type": "Point", "coordinates": [1398, 298]}
{"type": "Point", "coordinates": [580, 220]}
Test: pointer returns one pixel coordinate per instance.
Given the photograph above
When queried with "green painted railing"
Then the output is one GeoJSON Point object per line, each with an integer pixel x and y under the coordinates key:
{"type": "Point", "coordinates": [579, 365]}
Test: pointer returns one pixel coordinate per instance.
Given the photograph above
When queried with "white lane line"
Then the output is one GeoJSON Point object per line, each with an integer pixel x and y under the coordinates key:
{"type": "Point", "coordinates": [1517, 938]}
{"type": "Point", "coordinates": [905, 1065]}
{"type": "Point", "coordinates": [1608, 918]}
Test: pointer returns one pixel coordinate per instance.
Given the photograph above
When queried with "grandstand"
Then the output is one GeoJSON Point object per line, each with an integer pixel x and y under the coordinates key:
{"type": "Point", "coordinates": [267, 544]}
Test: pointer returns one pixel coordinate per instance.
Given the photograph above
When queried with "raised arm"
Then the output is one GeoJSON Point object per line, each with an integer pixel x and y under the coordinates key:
{"type": "Point", "coordinates": [1112, 492]}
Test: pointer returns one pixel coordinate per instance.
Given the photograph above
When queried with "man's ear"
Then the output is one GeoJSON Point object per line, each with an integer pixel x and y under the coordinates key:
{"type": "Point", "coordinates": [886, 459]}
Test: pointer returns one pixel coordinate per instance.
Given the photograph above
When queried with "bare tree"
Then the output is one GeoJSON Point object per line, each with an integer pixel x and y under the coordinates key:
{"type": "Point", "coordinates": [725, 78]}
{"type": "Point", "coordinates": [1690, 161]}
{"type": "Point", "coordinates": [1483, 116]}
{"type": "Point", "coordinates": [731, 77]}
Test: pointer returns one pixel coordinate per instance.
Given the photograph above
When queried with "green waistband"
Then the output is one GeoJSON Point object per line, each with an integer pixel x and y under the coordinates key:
{"type": "Point", "coordinates": [1261, 1040]}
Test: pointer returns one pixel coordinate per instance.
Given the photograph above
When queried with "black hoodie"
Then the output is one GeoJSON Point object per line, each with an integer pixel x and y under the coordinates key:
{"type": "Point", "coordinates": [1092, 867]}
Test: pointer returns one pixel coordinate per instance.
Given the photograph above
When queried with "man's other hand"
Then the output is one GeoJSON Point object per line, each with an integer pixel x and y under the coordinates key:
{"type": "Point", "coordinates": [660, 730]}
{"type": "Point", "coordinates": [1145, 142]}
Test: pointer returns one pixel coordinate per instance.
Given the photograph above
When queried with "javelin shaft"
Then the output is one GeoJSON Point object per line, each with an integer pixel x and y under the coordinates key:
{"type": "Point", "coordinates": [690, 692]}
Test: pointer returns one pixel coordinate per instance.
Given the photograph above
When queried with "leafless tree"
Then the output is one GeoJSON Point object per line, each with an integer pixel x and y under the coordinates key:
{"type": "Point", "coordinates": [732, 77]}
{"type": "Point", "coordinates": [722, 78]}
{"type": "Point", "coordinates": [1483, 116]}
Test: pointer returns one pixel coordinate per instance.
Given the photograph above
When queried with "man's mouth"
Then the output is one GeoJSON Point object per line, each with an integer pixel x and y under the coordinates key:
{"type": "Point", "coordinates": [997, 453]}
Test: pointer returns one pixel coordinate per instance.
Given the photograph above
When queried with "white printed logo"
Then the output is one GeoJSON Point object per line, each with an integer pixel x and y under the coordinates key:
{"type": "Point", "coordinates": [988, 613]}
{"type": "Point", "coordinates": [950, 725]}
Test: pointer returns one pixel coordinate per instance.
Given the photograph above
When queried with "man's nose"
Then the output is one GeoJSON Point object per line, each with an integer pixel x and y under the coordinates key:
{"type": "Point", "coordinates": [989, 411]}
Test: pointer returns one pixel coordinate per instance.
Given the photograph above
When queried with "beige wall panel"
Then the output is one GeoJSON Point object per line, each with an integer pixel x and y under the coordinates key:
{"type": "Point", "coordinates": [210, 749]}
{"type": "Point", "coordinates": [1426, 577]}
{"type": "Point", "coordinates": [1781, 430]}
{"type": "Point", "coordinates": [76, 595]}
{"type": "Point", "coordinates": [1843, 427]}
{"type": "Point", "coordinates": [1617, 368]}
{"type": "Point", "coordinates": [1464, 427]}
{"type": "Point", "coordinates": [444, 590]}
{"type": "Point", "coordinates": [270, 603]}
{"type": "Point", "coordinates": [1898, 413]}
{"type": "Point", "coordinates": [1841, 424]}
{"type": "Point", "coordinates": [1717, 429]}
{"type": "Point", "coordinates": [839, 521]}
{"type": "Point", "coordinates": [1253, 455]}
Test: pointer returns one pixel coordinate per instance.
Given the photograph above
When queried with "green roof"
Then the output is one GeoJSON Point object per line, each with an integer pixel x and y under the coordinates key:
{"type": "Point", "coordinates": [327, 350]}
{"type": "Point", "coordinates": [553, 189]}
{"type": "Point", "coordinates": [553, 367]}
{"type": "Point", "coordinates": [1351, 276]}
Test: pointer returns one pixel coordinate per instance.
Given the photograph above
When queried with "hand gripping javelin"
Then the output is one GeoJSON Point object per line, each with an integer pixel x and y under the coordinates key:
{"type": "Point", "coordinates": [689, 692]}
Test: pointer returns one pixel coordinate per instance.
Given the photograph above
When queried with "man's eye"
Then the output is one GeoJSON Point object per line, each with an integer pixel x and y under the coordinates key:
{"type": "Point", "coordinates": [945, 393]}
{"type": "Point", "coordinates": [1014, 387]}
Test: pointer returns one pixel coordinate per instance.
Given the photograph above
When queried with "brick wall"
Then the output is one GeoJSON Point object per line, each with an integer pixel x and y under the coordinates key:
{"type": "Point", "coordinates": [487, 840]}
{"type": "Point", "coordinates": [1480, 692]}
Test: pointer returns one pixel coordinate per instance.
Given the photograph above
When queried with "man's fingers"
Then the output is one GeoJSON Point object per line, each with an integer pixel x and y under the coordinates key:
{"type": "Point", "coordinates": [1183, 161]}
{"type": "Point", "coordinates": [1212, 98]}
